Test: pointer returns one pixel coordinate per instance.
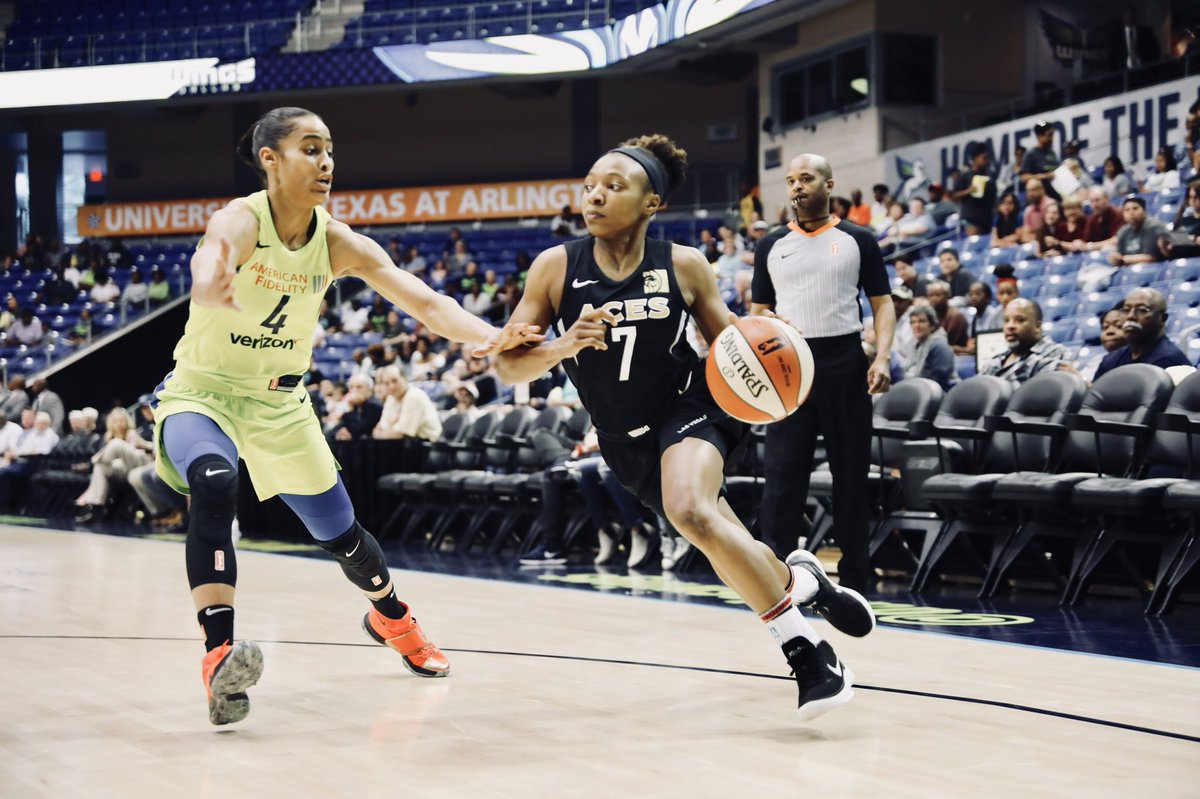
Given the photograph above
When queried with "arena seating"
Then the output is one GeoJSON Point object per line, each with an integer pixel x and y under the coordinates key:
{"type": "Point", "coordinates": [71, 33]}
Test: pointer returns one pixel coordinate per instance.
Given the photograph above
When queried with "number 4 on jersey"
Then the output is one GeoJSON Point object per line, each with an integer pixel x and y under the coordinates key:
{"type": "Point", "coordinates": [276, 319]}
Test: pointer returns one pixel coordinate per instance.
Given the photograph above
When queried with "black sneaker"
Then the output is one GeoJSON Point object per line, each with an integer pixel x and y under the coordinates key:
{"type": "Point", "coordinates": [823, 680]}
{"type": "Point", "coordinates": [542, 557]}
{"type": "Point", "coordinates": [844, 608]}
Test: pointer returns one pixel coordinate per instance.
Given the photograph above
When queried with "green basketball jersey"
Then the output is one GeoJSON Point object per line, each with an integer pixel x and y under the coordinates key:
{"type": "Point", "coordinates": [280, 292]}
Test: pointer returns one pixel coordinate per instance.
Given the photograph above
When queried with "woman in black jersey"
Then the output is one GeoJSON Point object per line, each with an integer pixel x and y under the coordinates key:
{"type": "Point", "coordinates": [619, 304]}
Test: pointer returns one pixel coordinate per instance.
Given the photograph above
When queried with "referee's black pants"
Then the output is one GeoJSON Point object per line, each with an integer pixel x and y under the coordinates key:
{"type": "Point", "coordinates": [839, 408]}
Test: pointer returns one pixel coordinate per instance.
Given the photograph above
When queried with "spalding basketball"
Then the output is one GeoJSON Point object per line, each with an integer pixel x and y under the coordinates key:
{"type": "Point", "coordinates": [759, 369]}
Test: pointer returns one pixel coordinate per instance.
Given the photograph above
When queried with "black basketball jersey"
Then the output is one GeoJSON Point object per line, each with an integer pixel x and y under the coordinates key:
{"type": "Point", "coordinates": [649, 362]}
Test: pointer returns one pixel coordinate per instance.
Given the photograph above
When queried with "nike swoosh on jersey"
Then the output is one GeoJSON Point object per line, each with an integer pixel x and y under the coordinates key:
{"type": "Point", "coordinates": [578, 284]}
{"type": "Point", "coordinates": [214, 611]}
{"type": "Point", "coordinates": [258, 246]}
{"type": "Point", "coordinates": [356, 546]}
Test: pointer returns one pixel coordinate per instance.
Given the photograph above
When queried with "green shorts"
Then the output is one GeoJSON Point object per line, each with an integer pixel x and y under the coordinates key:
{"type": "Point", "coordinates": [281, 442]}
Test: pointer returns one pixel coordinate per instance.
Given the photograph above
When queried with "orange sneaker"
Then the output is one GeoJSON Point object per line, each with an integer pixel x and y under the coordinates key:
{"type": "Point", "coordinates": [227, 672]}
{"type": "Point", "coordinates": [421, 656]}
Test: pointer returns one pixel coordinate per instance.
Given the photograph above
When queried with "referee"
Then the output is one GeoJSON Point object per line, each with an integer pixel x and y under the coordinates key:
{"type": "Point", "coordinates": [809, 273]}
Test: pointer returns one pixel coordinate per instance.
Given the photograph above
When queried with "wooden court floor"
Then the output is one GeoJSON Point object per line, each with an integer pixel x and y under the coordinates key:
{"type": "Point", "coordinates": [554, 693]}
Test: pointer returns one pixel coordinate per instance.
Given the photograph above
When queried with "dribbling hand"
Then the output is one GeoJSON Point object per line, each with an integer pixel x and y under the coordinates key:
{"type": "Point", "coordinates": [588, 331]}
{"type": "Point", "coordinates": [509, 337]}
{"type": "Point", "coordinates": [770, 314]}
{"type": "Point", "coordinates": [215, 290]}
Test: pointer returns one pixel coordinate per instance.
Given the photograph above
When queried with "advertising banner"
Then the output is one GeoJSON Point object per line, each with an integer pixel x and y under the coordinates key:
{"type": "Point", "coordinates": [371, 207]}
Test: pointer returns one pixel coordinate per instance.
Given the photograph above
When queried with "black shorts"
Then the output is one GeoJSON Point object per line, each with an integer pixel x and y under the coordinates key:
{"type": "Point", "coordinates": [636, 462]}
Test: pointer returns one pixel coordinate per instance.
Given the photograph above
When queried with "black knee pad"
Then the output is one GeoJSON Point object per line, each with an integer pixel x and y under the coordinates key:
{"type": "Point", "coordinates": [360, 557]}
{"type": "Point", "coordinates": [210, 558]}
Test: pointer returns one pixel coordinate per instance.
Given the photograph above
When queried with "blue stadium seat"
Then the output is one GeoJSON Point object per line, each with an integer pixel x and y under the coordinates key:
{"type": "Point", "coordinates": [1061, 330]}
{"type": "Point", "coordinates": [1057, 308]}
{"type": "Point", "coordinates": [1063, 265]}
{"type": "Point", "coordinates": [1055, 286]}
{"type": "Point", "coordinates": [1088, 330]}
{"type": "Point", "coordinates": [1029, 268]}
{"type": "Point", "coordinates": [1181, 270]}
{"type": "Point", "coordinates": [1138, 275]}
{"type": "Point", "coordinates": [997, 255]}
{"type": "Point", "coordinates": [1096, 302]}
{"type": "Point", "coordinates": [1185, 295]}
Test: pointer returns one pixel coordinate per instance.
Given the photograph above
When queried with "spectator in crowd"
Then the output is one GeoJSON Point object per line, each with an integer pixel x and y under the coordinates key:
{"type": "Point", "coordinates": [1071, 230]}
{"type": "Point", "coordinates": [1112, 338]}
{"type": "Point", "coordinates": [355, 316]}
{"type": "Point", "coordinates": [10, 313]}
{"type": "Point", "coordinates": [987, 317]}
{"type": "Point", "coordinates": [465, 397]}
{"type": "Point", "coordinates": [118, 255]}
{"type": "Point", "coordinates": [948, 317]}
{"type": "Point", "coordinates": [159, 290]}
{"type": "Point", "coordinates": [709, 245]}
{"type": "Point", "coordinates": [54, 255]}
{"type": "Point", "coordinates": [1190, 151]}
{"type": "Point", "coordinates": [17, 464]}
{"type": "Point", "coordinates": [1137, 240]}
{"type": "Point", "coordinates": [1007, 289]}
{"type": "Point", "coordinates": [917, 225]}
{"type": "Point", "coordinates": [1187, 222]}
{"type": "Point", "coordinates": [10, 434]}
{"type": "Point", "coordinates": [393, 328]}
{"type": "Point", "coordinates": [729, 263]}
{"type": "Point", "coordinates": [1104, 222]}
{"type": "Point", "coordinates": [425, 362]}
{"type": "Point", "coordinates": [80, 333]}
{"type": "Point", "coordinates": [377, 314]}
{"type": "Point", "coordinates": [940, 208]}
{"type": "Point", "coordinates": [477, 301]}
{"type": "Point", "coordinates": [26, 330]}
{"type": "Point", "coordinates": [407, 412]}
{"type": "Point", "coordinates": [439, 275]}
{"type": "Point", "coordinates": [1145, 320]}
{"type": "Point", "coordinates": [16, 398]}
{"type": "Point", "coordinates": [1073, 151]}
{"type": "Point", "coordinates": [903, 341]}
{"type": "Point", "coordinates": [1035, 205]}
{"type": "Point", "coordinates": [490, 286]}
{"type": "Point", "coordinates": [879, 205]}
{"type": "Point", "coordinates": [1166, 172]}
{"type": "Point", "coordinates": [1029, 352]}
{"type": "Point", "coordinates": [726, 233]}
{"type": "Point", "coordinates": [412, 261]}
{"type": "Point", "coordinates": [1117, 184]}
{"type": "Point", "coordinates": [566, 224]}
{"type": "Point", "coordinates": [1009, 177]}
{"type": "Point", "coordinates": [953, 273]}
{"type": "Point", "coordinates": [394, 251]}
{"type": "Point", "coordinates": [123, 450]}
{"type": "Point", "coordinates": [758, 229]}
{"type": "Point", "coordinates": [1007, 229]}
{"type": "Point", "coordinates": [910, 278]}
{"type": "Point", "coordinates": [136, 291]}
{"type": "Point", "coordinates": [165, 507]}
{"type": "Point", "coordinates": [459, 257]}
{"type": "Point", "coordinates": [932, 357]}
{"type": "Point", "coordinates": [860, 212]}
{"type": "Point", "coordinates": [1132, 45]}
{"type": "Point", "coordinates": [46, 400]}
{"type": "Point", "coordinates": [468, 278]}
{"type": "Point", "coordinates": [363, 411]}
{"type": "Point", "coordinates": [839, 207]}
{"type": "Point", "coordinates": [975, 191]}
{"type": "Point", "coordinates": [1039, 165]}
{"type": "Point", "coordinates": [1044, 238]}
{"type": "Point", "coordinates": [105, 290]}
{"type": "Point", "coordinates": [329, 319]}
{"type": "Point", "coordinates": [888, 231]}
{"type": "Point", "coordinates": [453, 237]}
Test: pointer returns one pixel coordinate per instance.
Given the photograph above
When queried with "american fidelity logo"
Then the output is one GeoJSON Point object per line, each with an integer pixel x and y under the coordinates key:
{"type": "Point", "coordinates": [737, 368]}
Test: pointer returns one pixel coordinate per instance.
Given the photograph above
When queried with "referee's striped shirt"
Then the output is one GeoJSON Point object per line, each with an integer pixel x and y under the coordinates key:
{"type": "Point", "coordinates": [813, 279]}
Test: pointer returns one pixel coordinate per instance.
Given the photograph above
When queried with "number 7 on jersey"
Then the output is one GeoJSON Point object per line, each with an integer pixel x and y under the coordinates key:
{"type": "Point", "coordinates": [627, 332]}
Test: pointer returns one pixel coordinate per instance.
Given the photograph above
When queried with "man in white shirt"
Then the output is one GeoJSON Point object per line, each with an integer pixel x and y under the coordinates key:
{"type": "Point", "coordinates": [14, 474]}
{"type": "Point", "coordinates": [407, 412]}
{"type": "Point", "coordinates": [10, 434]}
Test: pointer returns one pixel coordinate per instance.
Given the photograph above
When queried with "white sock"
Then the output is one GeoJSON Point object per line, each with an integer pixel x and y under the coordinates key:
{"type": "Point", "coordinates": [786, 622]}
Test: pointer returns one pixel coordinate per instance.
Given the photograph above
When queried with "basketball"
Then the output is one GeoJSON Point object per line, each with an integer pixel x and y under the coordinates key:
{"type": "Point", "coordinates": [759, 369]}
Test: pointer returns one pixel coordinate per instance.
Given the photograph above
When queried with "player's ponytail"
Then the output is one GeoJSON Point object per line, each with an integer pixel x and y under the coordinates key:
{"type": "Point", "coordinates": [269, 131]}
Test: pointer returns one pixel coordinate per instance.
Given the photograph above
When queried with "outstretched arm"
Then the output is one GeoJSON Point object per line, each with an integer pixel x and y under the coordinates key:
{"type": "Point", "coordinates": [229, 241]}
{"type": "Point", "coordinates": [354, 254]}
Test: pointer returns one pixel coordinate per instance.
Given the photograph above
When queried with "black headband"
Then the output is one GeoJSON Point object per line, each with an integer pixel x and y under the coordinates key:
{"type": "Point", "coordinates": [649, 162]}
